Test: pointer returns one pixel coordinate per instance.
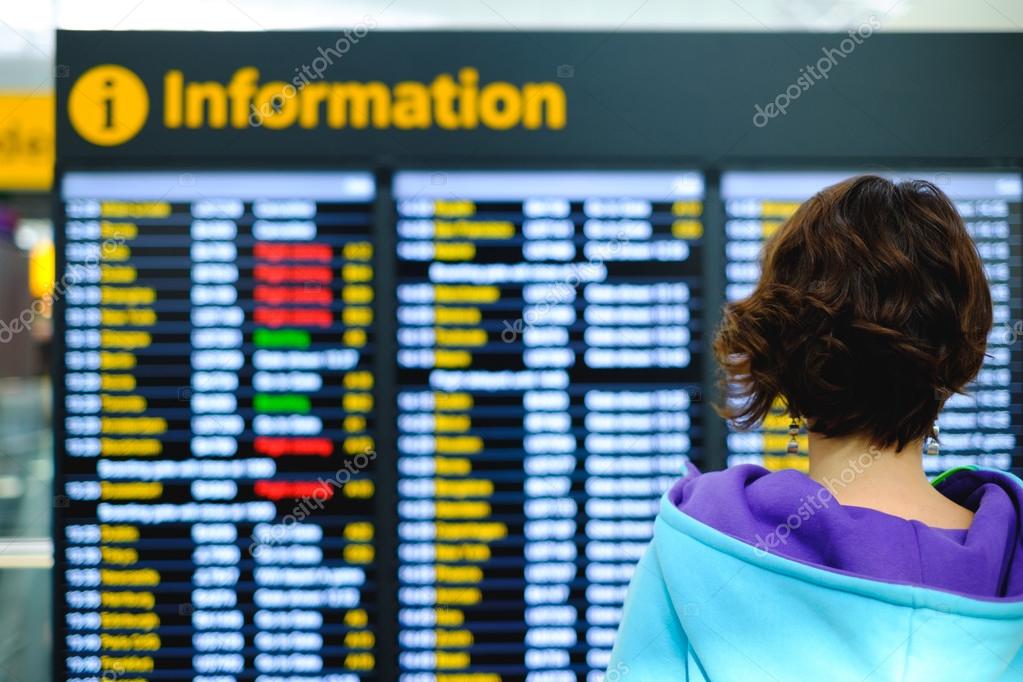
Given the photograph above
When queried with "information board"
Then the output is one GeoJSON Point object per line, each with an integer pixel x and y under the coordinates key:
{"type": "Point", "coordinates": [549, 349]}
{"type": "Point", "coordinates": [219, 511]}
{"type": "Point", "coordinates": [215, 446]}
{"type": "Point", "coordinates": [525, 348]}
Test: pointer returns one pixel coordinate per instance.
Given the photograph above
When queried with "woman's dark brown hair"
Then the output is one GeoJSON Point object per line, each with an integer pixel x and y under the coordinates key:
{"type": "Point", "coordinates": [871, 310]}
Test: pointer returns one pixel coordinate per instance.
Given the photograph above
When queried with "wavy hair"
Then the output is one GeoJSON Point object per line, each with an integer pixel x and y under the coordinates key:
{"type": "Point", "coordinates": [871, 310]}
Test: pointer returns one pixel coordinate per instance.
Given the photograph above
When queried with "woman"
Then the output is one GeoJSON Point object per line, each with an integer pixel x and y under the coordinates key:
{"type": "Point", "coordinates": [872, 309]}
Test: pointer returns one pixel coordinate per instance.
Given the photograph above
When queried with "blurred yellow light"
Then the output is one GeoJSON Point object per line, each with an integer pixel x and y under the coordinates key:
{"type": "Point", "coordinates": [41, 268]}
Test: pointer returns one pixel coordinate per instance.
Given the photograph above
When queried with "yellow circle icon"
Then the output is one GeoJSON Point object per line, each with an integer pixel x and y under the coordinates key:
{"type": "Point", "coordinates": [108, 105]}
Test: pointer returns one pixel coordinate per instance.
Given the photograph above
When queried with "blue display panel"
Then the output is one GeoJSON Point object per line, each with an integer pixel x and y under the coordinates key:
{"type": "Point", "coordinates": [214, 428]}
{"type": "Point", "coordinates": [549, 363]}
{"type": "Point", "coordinates": [983, 427]}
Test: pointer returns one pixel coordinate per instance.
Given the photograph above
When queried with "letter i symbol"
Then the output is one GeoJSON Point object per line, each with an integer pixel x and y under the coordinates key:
{"type": "Point", "coordinates": [108, 105]}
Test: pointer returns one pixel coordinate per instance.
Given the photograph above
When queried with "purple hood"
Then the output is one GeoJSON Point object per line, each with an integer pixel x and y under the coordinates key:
{"type": "Point", "coordinates": [789, 514]}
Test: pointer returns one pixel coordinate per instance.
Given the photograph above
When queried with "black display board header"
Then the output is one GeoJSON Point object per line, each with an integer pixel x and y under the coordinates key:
{"type": "Point", "coordinates": [364, 94]}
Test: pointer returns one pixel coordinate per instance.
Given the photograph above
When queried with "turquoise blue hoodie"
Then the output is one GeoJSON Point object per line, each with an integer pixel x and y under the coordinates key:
{"type": "Point", "coordinates": [760, 576]}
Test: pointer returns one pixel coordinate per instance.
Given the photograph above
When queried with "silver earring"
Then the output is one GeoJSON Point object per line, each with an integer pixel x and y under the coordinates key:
{"type": "Point", "coordinates": [793, 448]}
{"type": "Point", "coordinates": [932, 444]}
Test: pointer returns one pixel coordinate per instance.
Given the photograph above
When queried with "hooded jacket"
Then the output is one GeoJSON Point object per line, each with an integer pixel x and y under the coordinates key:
{"type": "Point", "coordinates": [753, 575]}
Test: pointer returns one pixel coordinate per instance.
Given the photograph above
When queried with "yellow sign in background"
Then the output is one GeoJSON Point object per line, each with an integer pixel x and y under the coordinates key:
{"type": "Point", "coordinates": [26, 140]}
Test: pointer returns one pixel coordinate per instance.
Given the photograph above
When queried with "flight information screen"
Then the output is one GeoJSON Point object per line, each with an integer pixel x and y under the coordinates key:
{"type": "Point", "coordinates": [548, 368]}
{"type": "Point", "coordinates": [983, 427]}
{"type": "Point", "coordinates": [221, 510]}
{"type": "Point", "coordinates": [214, 428]}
